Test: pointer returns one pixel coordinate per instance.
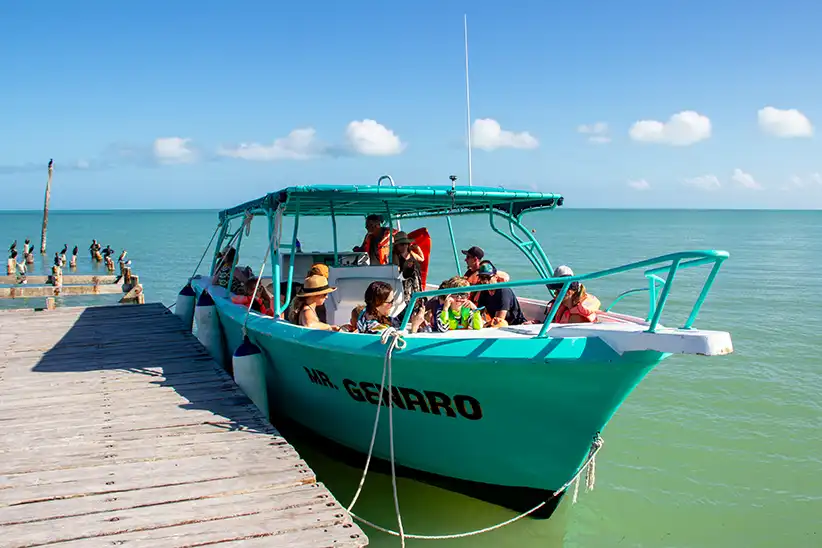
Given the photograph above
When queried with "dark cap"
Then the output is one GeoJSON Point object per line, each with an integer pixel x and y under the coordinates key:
{"type": "Point", "coordinates": [486, 270]}
{"type": "Point", "coordinates": [474, 251]}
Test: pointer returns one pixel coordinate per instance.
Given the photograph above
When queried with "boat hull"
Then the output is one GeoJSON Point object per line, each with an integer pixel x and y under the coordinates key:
{"type": "Point", "coordinates": [519, 414]}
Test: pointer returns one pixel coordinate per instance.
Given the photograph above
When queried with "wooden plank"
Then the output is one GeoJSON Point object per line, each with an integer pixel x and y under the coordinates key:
{"type": "Point", "coordinates": [31, 291]}
{"type": "Point", "coordinates": [116, 427]}
{"type": "Point", "coordinates": [68, 279]}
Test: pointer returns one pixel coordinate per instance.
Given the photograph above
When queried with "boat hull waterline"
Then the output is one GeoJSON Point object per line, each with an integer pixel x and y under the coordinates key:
{"type": "Point", "coordinates": [517, 413]}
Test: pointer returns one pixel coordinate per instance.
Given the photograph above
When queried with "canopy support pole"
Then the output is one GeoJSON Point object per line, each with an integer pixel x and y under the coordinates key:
{"type": "Point", "coordinates": [453, 244]}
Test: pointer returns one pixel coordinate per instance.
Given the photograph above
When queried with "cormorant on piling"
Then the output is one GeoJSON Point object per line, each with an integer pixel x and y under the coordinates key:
{"type": "Point", "coordinates": [75, 250]}
{"type": "Point", "coordinates": [57, 261]}
{"type": "Point", "coordinates": [13, 245]}
{"type": "Point", "coordinates": [65, 249]}
{"type": "Point", "coordinates": [107, 251]}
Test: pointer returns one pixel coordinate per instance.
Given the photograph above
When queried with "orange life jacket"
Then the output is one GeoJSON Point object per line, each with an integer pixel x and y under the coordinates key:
{"type": "Point", "coordinates": [382, 247]}
{"type": "Point", "coordinates": [587, 309]}
{"type": "Point", "coordinates": [422, 239]}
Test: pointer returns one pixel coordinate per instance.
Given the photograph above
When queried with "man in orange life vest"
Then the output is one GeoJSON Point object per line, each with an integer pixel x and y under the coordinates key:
{"type": "Point", "coordinates": [376, 240]}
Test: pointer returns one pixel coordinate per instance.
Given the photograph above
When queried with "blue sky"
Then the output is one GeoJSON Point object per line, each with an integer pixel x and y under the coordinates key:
{"type": "Point", "coordinates": [614, 104]}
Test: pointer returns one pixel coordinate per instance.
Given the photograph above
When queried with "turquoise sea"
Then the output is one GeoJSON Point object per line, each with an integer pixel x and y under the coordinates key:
{"type": "Point", "coordinates": [707, 452]}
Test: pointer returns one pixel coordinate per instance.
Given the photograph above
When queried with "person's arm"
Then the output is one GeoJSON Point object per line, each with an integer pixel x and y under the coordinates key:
{"type": "Point", "coordinates": [476, 318]}
{"type": "Point", "coordinates": [312, 321]}
{"type": "Point", "coordinates": [416, 252]}
{"type": "Point", "coordinates": [506, 301]}
{"type": "Point", "coordinates": [441, 319]}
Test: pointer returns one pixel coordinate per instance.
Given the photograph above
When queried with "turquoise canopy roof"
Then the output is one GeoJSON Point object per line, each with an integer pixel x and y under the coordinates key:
{"type": "Point", "coordinates": [409, 201]}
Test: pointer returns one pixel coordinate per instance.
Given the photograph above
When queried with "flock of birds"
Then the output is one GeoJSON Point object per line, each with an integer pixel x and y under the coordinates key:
{"type": "Point", "coordinates": [97, 251]}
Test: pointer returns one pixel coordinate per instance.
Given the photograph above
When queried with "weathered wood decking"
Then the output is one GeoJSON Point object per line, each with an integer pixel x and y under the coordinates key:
{"type": "Point", "coordinates": [117, 429]}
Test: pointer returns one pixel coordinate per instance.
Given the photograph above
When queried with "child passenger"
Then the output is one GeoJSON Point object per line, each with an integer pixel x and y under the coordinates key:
{"type": "Point", "coordinates": [455, 311]}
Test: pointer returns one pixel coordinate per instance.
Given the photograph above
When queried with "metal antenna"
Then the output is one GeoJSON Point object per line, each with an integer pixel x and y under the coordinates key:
{"type": "Point", "coordinates": [468, 103]}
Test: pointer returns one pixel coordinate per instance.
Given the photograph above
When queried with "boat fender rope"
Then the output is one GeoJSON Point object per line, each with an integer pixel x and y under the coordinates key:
{"type": "Point", "coordinates": [394, 339]}
{"type": "Point", "coordinates": [596, 445]}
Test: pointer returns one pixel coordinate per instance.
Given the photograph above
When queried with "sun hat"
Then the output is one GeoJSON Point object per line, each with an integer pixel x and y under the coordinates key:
{"type": "Point", "coordinates": [402, 238]}
{"type": "Point", "coordinates": [486, 270]}
{"type": "Point", "coordinates": [474, 251]}
{"type": "Point", "coordinates": [315, 285]}
{"type": "Point", "coordinates": [318, 269]}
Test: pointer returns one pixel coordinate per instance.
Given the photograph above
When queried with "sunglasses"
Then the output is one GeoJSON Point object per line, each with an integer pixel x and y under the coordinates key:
{"type": "Point", "coordinates": [460, 296]}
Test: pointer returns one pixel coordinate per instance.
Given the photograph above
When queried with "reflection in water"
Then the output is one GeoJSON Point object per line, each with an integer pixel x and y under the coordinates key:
{"type": "Point", "coordinates": [426, 509]}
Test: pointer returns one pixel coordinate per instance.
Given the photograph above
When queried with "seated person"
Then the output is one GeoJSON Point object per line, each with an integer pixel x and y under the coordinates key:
{"type": "Point", "coordinates": [377, 240]}
{"type": "Point", "coordinates": [501, 305]}
{"type": "Point", "coordinates": [351, 326]}
{"type": "Point", "coordinates": [318, 269]}
{"type": "Point", "coordinates": [262, 301]}
{"type": "Point", "coordinates": [379, 297]}
{"type": "Point", "coordinates": [303, 310]}
{"type": "Point", "coordinates": [223, 272]}
{"type": "Point", "coordinates": [455, 311]}
{"type": "Point", "coordinates": [295, 288]}
{"type": "Point", "coordinates": [408, 256]}
{"type": "Point", "coordinates": [578, 306]}
{"type": "Point", "coordinates": [473, 259]}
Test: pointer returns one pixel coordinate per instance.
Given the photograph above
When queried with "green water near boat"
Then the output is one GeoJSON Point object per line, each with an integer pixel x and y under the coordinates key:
{"type": "Point", "coordinates": [706, 452]}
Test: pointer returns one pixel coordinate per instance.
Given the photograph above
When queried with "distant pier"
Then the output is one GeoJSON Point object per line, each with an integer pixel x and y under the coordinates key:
{"type": "Point", "coordinates": [118, 429]}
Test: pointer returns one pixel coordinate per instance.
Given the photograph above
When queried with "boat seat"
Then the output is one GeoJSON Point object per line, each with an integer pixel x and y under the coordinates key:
{"type": "Point", "coordinates": [351, 283]}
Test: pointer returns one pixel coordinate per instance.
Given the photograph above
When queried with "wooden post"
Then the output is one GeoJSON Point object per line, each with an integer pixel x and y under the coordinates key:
{"type": "Point", "coordinates": [50, 304]}
{"type": "Point", "coordinates": [11, 266]}
{"type": "Point", "coordinates": [46, 209]}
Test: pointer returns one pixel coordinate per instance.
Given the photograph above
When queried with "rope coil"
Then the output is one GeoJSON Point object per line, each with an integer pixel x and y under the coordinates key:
{"type": "Point", "coordinates": [394, 339]}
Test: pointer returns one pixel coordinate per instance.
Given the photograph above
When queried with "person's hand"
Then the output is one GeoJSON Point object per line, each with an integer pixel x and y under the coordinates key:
{"type": "Point", "coordinates": [470, 304]}
{"type": "Point", "coordinates": [334, 328]}
{"type": "Point", "coordinates": [449, 300]}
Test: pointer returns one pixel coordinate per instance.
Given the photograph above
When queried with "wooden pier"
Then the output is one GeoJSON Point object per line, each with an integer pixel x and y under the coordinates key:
{"type": "Point", "coordinates": [126, 284]}
{"type": "Point", "coordinates": [118, 429]}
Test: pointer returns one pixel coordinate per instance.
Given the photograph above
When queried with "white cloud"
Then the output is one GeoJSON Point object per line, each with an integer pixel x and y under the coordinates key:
{"type": "Point", "coordinates": [300, 144]}
{"type": "Point", "coordinates": [370, 138]}
{"type": "Point", "coordinates": [797, 181]}
{"type": "Point", "coordinates": [174, 150]}
{"type": "Point", "coordinates": [784, 123]}
{"type": "Point", "coordinates": [639, 184]}
{"type": "Point", "coordinates": [745, 180]}
{"type": "Point", "coordinates": [82, 164]}
{"type": "Point", "coordinates": [487, 134]}
{"type": "Point", "coordinates": [681, 129]}
{"type": "Point", "coordinates": [705, 182]}
{"type": "Point", "coordinates": [597, 132]}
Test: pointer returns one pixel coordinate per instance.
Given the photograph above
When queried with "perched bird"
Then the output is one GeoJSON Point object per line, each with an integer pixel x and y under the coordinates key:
{"type": "Point", "coordinates": [13, 245]}
{"type": "Point", "coordinates": [65, 249]}
{"type": "Point", "coordinates": [75, 250]}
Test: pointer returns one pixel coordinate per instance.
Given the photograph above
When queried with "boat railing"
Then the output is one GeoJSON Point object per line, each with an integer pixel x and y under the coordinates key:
{"type": "Point", "coordinates": [670, 264]}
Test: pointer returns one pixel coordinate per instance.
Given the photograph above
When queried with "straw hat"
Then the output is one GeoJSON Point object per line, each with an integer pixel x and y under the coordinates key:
{"type": "Point", "coordinates": [315, 285]}
{"type": "Point", "coordinates": [318, 269]}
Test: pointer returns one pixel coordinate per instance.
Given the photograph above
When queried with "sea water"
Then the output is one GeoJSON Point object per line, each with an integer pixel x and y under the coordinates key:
{"type": "Point", "coordinates": [706, 452]}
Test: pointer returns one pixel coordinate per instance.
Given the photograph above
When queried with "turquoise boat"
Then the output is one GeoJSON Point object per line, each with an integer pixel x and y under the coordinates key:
{"type": "Point", "coordinates": [506, 414]}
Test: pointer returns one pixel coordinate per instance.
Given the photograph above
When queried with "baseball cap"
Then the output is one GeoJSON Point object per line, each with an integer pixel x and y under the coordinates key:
{"type": "Point", "coordinates": [486, 270]}
{"type": "Point", "coordinates": [560, 272]}
{"type": "Point", "coordinates": [474, 251]}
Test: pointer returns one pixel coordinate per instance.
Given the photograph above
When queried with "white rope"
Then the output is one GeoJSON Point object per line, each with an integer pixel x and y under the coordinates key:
{"type": "Point", "coordinates": [398, 342]}
{"type": "Point", "coordinates": [196, 268]}
{"type": "Point", "coordinates": [596, 445]}
{"type": "Point", "coordinates": [257, 285]}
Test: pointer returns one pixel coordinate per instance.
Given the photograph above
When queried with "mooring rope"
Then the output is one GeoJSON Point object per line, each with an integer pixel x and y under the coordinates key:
{"type": "Point", "coordinates": [208, 245]}
{"type": "Point", "coordinates": [257, 285]}
{"type": "Point", "coordinates": [394, 339]}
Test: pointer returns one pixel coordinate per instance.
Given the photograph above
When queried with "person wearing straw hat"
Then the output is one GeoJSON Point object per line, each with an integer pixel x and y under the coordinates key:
{"type": "Point", "coordinates": [408, 257]}
{"type": "Point", "coordinates": [304, 307]}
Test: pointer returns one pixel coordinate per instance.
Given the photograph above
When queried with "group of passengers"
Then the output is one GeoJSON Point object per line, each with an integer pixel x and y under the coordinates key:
{"type": "Point", "coordinates": [497, 307]}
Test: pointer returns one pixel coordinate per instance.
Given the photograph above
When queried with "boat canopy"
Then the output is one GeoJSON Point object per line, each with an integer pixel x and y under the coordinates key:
{"type": "Point", "coordinates": [402, 202]}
